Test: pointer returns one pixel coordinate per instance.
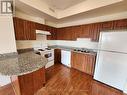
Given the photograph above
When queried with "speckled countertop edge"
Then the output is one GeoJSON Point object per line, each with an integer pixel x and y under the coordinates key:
{"type": "Point", "coordinates": [4, 57]}
{"type": "Point", "coordinates": [67, 48]}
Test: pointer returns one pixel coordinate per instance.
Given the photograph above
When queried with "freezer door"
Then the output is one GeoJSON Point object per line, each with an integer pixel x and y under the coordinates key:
{"type": "Point", "coordinates": [111, 69]}
{"type": "Point", "coordinates": [113, 41]}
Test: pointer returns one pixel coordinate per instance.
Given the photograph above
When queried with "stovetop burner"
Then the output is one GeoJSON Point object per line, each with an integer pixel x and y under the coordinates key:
{"type": "Point", "coordinates": [45, 49]}
{"type": "Point", "coordinates": [82, 50]}
{"type": "Point", "coordinates": [41, 50]}
{"type": "Point", "coordinates": [48, 48]}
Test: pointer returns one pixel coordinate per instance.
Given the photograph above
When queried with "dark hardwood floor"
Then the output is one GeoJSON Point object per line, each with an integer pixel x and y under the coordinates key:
{"type": "Point", "coordinates": [65, 81]}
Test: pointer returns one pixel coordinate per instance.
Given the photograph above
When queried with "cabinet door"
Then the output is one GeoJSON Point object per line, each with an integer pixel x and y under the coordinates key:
{"type": "Point", "coordinates": [78, 31]}
{"type": "Point", "coordinates": [72, 33]}
{"type": "Point", "coordinates": [76, 61]}
{"type": "Point", "coordinates": [60, 34]}
{"type": "Point", "coordinates": [107, 25]}
{"type": "Point", "coordinates": [67, 33]}
{"type": "Point", "coordinates": [39, 79]}
{"type": "Point", "coordinates": [89, 64]}
{"type": "Point", "coordinates": [57, 56]}
{"type": "Point", "coordinates": [49, 29]}
{"type": "Point", "coordinates": [29, 30]}
{"type": "Point", "coordinates": [85, 31]}
{"type": "Point", "coordinates": [53, 32]}
{"type": "Point", "coordinates": [32, 31]}
{"type": "Point", "coordinates": [95, 31]}
{"type": "Point", "coordinates": [27, 26]}
{"type": "Point", "coordinates": [24, 30]}
{"type": "Point", "coordinates": [40, 26]}
{"type": "Point", "coordinates": [30, 83]}
{"type": "Point", "coordinates": [19, 29]}
{"type": "Point", "coordinates": [120, 24]}
{"type": "Point", "coordinates": [83, 62]}
{"type": "Point", "coordinates": [26, 84]}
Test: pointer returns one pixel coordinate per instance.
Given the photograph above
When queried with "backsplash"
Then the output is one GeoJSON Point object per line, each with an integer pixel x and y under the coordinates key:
{"type": "Point", "coordinates": [81, 43]}
{"type": "Point", "coordinates": [30, 44]}
{"type": "Point", "coordinates": [40, 42]}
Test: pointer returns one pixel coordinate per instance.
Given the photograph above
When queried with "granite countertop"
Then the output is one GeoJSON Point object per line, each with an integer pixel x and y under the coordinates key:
{"type": "Point", "coordinates": [67, 48]}
{"type": "Point", "coordinates": [20, 64]}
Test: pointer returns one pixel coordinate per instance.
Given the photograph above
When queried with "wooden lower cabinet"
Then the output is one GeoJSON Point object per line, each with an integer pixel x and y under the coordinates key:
{"type": "Point", "coordinates": [83, 62]}
{"type": "Point", "coordinates": [29, 84]}
{"type": "Point", "coordinates": [57, 55]}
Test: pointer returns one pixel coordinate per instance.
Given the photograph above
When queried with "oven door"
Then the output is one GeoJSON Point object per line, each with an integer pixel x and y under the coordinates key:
{"type": "Point", "coordinates": [48, 55]}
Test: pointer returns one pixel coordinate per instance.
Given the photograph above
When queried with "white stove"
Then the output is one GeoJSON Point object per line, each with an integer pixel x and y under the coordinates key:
{"type": "Point", "coordinates": [47, 53]}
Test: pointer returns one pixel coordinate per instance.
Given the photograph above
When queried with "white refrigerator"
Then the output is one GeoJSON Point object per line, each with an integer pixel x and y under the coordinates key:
{"type": "Point", "coordinates": [111, 63]}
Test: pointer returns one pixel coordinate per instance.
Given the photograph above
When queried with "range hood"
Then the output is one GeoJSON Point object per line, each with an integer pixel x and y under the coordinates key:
{"type": "Point", "coordinates": [41, 32]}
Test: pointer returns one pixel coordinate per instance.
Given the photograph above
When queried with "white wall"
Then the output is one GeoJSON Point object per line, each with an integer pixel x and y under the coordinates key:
{"type": "Point", "coordinates": [50, 23]}
{"type": "Point", "coordinates": [34, 18]}
{"type": "Point", "coordinates": [7, 37]}
{"type": "Point", "coordinates": [115, 16]}
{"type": "Point", "coordinates": [7, 42]}
{"type": "Point", "coordinates": [30, 18]}
{"type": "Point", "coordinates": [39, 5]}
{"type": "Point", "coordinates": [85, 6]}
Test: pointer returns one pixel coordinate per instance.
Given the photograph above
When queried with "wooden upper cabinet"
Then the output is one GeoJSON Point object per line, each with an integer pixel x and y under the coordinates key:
{"type": "Point", "coordinates": [110, 25]}
{"type": "Point", "coordinates": [83, 62]}
{"type": "Point", "coordinates": [29, 30]}
{"type": "Point", "coordinates": [33, 31]}
{"type": "Point", "coordinates": [120, 24]}
{"type": "Point", "coordinates": [96, 28]}
{"type": "Point", "coordinates": [24, 30]}
{"type": "Point", "coordinates": [73, 32]}
{"type": "Point", "coordinates": [69, 34]}
{"type": "Point", "coordinates": [78, 31]}
{"type": "Point", "coordinates": [61, 34]}
{"type": "Point", "coordinates": [95, 31]}
{"type": "Point", "coordinates": [85, 31]}
{"type": "Point", "coordinates": [53, 32]}
{"type": "Point", "coordinates": [19, 28]}
{"type": "Point", "coordinates": [66, 33]}
{"type": "Point", "coordinates": [40, 26]}
{"type": "Point", "coordinates": [50, 29]}
{"type": "Point", "coordinates": [107, 25]}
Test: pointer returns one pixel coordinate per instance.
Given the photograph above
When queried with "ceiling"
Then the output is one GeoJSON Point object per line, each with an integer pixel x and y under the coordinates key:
{"type": "Point", "coordinates": [106, 10]}
{"type": "Point", "coordinates": [65, 11]}
{"type": "Point", "coordinates": [62, 4]}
